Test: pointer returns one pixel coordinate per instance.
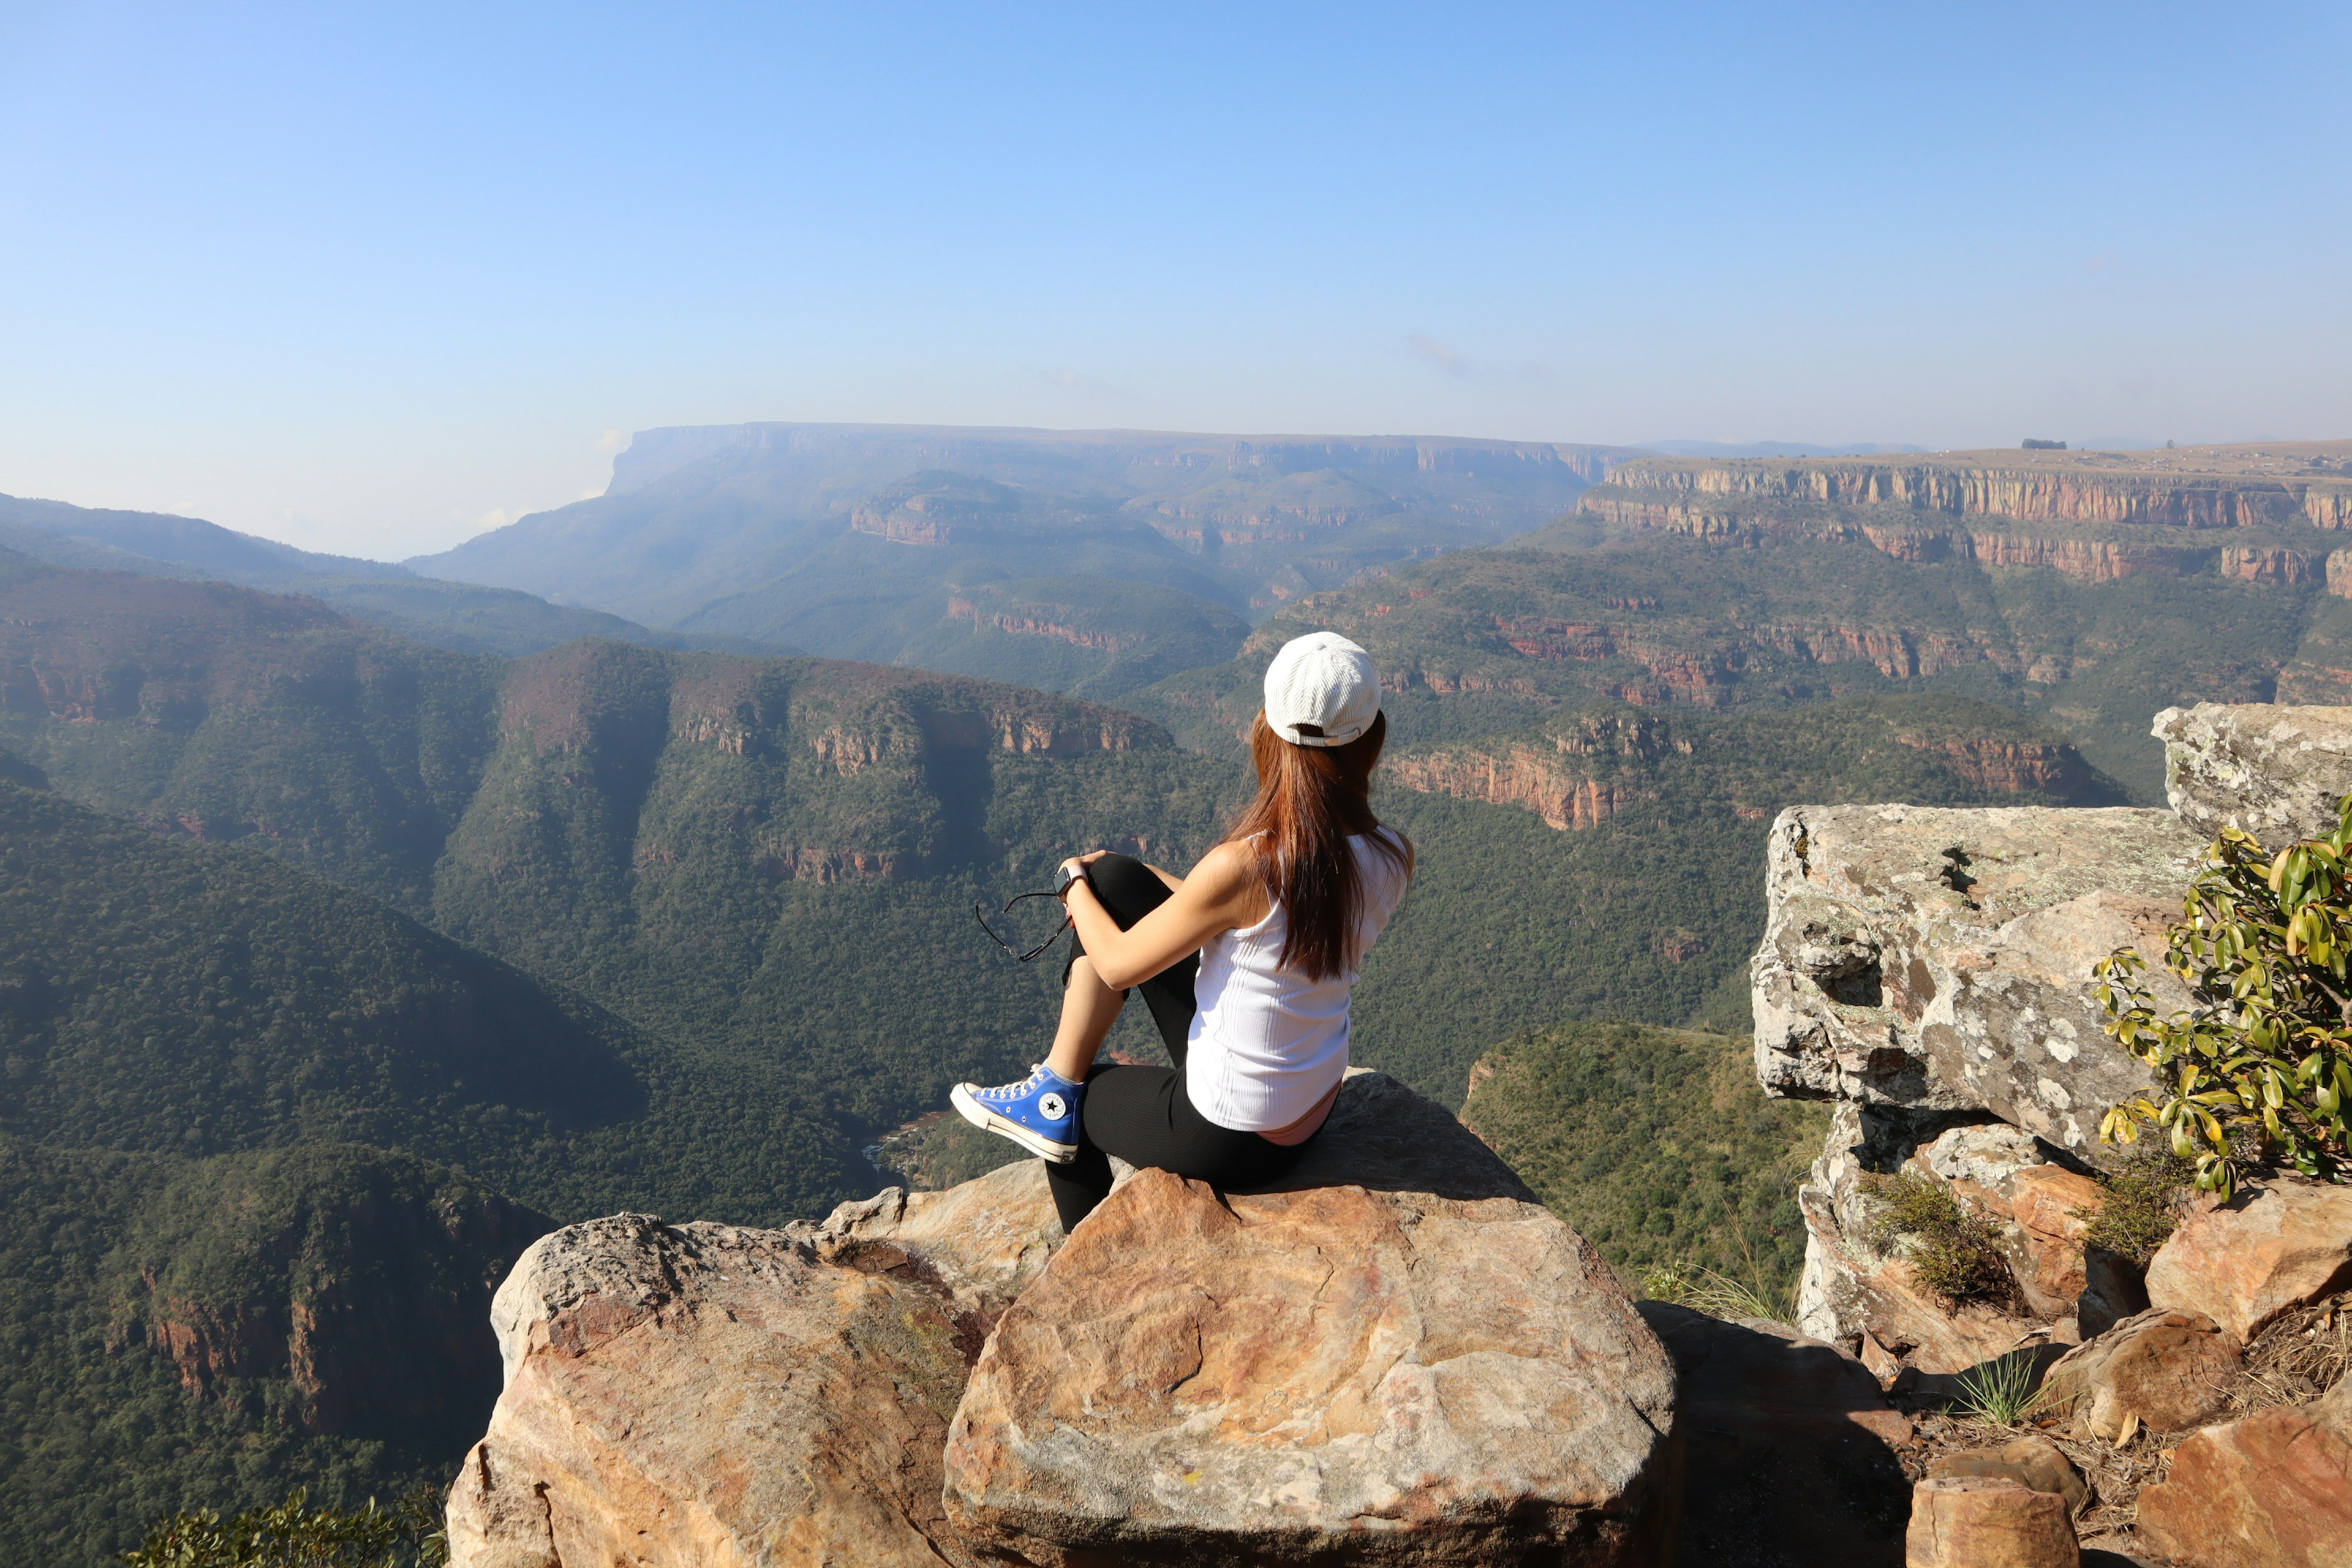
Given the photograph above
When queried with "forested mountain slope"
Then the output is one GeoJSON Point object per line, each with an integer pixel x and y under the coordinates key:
{"type": "Point", "coordinates": [269, 1099]}
{"type": "Point", "coordinates": [256, 1145]}
{"type": "Point", "coordinates": [1733, 584]}
{"type": "Point", "coordinates": [777, 860]}
{"type": "Point", "coordinates": [463, 617]}
{"type": "Point", "coordinates": [924, 545]}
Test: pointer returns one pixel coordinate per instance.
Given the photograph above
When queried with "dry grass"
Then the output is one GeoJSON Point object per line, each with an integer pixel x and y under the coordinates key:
{"type": "Point", "coordinates": [2116, 1475]}
{"type": "Point", "coordinates": [2298, 1358]}
{"type": "Point", "coordinates": [2293, 1361]}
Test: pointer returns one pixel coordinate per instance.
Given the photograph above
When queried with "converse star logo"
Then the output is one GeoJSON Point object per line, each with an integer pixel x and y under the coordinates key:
{"type": "Point", "coordinates": [1053, 1107]}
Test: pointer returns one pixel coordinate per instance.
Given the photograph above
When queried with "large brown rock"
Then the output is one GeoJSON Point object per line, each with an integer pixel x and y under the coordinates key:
{"type": "Point", "coordinates": [702, 1394]}
{"type": "Point", "coordinates": [2036, 1463]}
{"type": "Point", "coordinates": [1794, 1453]}
{"type": "Point", "coordinates": [2273, 1490]}
{"type": "Point", "coordinates": [2172, 1371]}
{"type": "Point", "coordinates": [2051, 1206]}
{"type": "Point", "coordinates": [1939, 960]}
{"type": "Point", "coordinates": [2275, 771]}
{"type": "Point", "coordinates": [1399, 1358]}
{"type": "Point", "coordinates": [1859, 1290]}
{"type": "Point", "coordinates": [1989, 1521]}
{"type": "Point", "coordinates": [2268, 1250]}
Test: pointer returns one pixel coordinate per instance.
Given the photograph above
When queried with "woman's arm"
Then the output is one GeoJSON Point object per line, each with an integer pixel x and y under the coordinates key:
{"type": "Point", "coordinates": [1223, 893]}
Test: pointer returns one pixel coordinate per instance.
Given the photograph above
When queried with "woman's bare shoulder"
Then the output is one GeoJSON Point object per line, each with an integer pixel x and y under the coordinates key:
{"type": "Point", "coordinates": [1229, 865]}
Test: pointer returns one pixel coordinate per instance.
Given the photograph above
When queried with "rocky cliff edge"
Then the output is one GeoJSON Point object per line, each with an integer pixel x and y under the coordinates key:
{"type": "Point", "coordinates": [1397, 1358]}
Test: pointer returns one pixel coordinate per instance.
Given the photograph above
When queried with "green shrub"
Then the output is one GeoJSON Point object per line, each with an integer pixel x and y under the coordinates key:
{"type": "Point", "coordinates": [2144, 1201]}
{"type": "Point", "coordinates": [1954, 1253]}
{"type": "Point", "coordinates": [2258, 1069]}
{"type": "Point", "coordinates": [295, 1535]}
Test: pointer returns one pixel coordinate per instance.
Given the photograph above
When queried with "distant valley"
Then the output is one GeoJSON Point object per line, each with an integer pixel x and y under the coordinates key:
{"type": "Point", "coordinates": [345, 951]}
{"type": "Point", "coordinates": [2088, 589]}
{"type": "Point", "coordinates": [962, 550]}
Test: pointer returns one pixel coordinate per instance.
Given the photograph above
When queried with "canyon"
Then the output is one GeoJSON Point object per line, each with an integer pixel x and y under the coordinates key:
{"type": "Point", "coordinates": [1395, 1357]}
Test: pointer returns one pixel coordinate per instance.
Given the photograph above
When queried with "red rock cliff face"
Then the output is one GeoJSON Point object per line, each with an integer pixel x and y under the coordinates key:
{"type": "Point", "coordinates": [2010, 767]}
{"type": "Point", "coordinates": [2035, 492]}
{"type": "Point", "coordinates": [2087, 560]}
{"type": "Point", "coordinates": [366, 1291]}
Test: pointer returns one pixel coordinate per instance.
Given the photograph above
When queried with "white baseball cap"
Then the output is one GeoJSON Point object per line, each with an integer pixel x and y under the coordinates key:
{"type": "Point", "coordinates": [1321, 690]}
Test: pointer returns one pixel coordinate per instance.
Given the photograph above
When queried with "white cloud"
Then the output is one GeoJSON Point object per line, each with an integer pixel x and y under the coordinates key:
{"type": "Point", "coordinates": [1430, 352]}
{"type": "Point", "coordinates": [612, 440]}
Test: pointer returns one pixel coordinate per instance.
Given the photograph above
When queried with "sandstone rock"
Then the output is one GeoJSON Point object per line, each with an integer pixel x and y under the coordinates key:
{"type": "Point", "coordinates": [1987, 1522]}
{"type": "Point", "coordinates": [2268, 1250]}
{"type": "Point", "coordinates": [1853, 1288]}
{"type": "Point", "coordinates": [701, 1395]}
{"type": "Point", "coordinates": [1379, 1369]}
{"type": "Point", "coordinates": [2273, 1490]}
{"type": "Point", "coordinates": [981, 1241]}
{"type": "Point", "coordinates": [2048, 1203]}
{"type": "Point", "coordinates": [2171, 1370]}
{"type": "Point", "coordinates": [2275, 771]}
{"type": "Point", "coordinates": [1792, 1448]}
{"type": "Point", "coordinates": [2033, 1462]}
{"type": "Point", "coordinates": [1939, 960]}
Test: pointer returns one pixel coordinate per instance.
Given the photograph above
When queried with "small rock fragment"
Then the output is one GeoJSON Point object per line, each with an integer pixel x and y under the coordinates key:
{"type": "Point", "coordinates": [1987, 1522]}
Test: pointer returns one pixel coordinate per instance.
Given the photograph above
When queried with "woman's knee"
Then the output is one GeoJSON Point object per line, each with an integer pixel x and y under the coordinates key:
{"type": "Point", "coordinates": [1128, 888]}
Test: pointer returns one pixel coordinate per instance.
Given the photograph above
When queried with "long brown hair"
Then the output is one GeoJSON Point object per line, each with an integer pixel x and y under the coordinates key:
{"type": "Point", "coordinates": [1309, 800]}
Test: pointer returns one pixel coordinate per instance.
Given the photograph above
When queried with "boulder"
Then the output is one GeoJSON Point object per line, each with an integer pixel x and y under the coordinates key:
{"type": "Point", "coordinates": [2275, 771]}
{"type": "Point", "coordinates": [2268, 1250]}
{"type": "Point", "coordinates": [1798, 1450]}
{"type": "Point", "coordinates": [1987, 1522]}
{"type": "Point", "coordinates": [1397, 1357]}
{"type": "Point", "coordinates": [2034, 1462]}
{"type": "Point", "coordinates": [702, 1393]}
{"type": "Point", "coordinates": [2271, 1490]}
{"type": "Point", "coordinates": [1939, 960]}
{"type": "Point", "coordinates": [2171, 1370]}
{"type": "Point", "coordinates": [1853, 1292]}
{"type": "Point", "coordinates": [2050, 1206]}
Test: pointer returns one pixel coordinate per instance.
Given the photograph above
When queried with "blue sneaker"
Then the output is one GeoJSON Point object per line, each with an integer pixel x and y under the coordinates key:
{"type": "Point", "coordinates": [1040, 1113]}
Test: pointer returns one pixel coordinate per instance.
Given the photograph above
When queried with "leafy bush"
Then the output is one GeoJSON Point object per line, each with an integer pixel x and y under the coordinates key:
{"type": "Point", "coordinates": [295, 1535]}
{"type": "Point", "coordinates": [2143, 1204]}
{"type": "Point", "coordinates": [2258, 1069]}
{"type": "Point", "coordinates": [1954, 1253]}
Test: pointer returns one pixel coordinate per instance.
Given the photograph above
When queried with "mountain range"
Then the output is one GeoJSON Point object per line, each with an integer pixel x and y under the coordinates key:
{"type": "Point", "coordinates": [336, 964]}
{"type": "Point", "coordinates": [951, 548]}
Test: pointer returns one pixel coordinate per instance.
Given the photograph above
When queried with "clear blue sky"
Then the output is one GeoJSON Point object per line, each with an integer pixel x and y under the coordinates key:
{"type": "Point", "coordinates": [373, 280]}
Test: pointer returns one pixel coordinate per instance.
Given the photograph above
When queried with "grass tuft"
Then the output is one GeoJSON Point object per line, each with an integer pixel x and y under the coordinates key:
{"type": "Point", "coordinates": [2003, 1391]}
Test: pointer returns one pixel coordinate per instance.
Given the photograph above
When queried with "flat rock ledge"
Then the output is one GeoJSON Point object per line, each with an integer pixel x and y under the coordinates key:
{"type": "Point", "coordinates": [1939, 960]}
{"type": "Point", "coordinates": [1400, 1358]}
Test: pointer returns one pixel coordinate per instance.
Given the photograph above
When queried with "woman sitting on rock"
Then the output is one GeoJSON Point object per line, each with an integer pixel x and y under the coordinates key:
{"type": "Point", "coordinates": [1246, 963]}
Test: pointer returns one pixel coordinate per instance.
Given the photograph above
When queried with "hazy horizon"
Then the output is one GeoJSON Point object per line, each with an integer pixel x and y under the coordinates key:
{"type": "Point", "coordinates": [374, 284]}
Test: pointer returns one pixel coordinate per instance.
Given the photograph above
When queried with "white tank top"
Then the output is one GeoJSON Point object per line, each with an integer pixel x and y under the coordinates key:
{"type": "Point", "coordinates": [1267, 1043]}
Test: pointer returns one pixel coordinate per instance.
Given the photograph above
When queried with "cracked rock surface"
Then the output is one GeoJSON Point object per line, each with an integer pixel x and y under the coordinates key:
{"type": "Point", "coordinates": [1939, 960]}
{"type": "Point", "coordinates": [1371, 1372]}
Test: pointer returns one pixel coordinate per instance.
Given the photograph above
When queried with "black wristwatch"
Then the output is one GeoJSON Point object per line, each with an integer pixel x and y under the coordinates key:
{"type": "Point", "coordinates": [1067, 878]}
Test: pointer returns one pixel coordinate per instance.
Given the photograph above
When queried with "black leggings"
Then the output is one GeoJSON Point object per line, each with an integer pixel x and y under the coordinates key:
{"type": "Point", "coordinates": [1142, 1114]}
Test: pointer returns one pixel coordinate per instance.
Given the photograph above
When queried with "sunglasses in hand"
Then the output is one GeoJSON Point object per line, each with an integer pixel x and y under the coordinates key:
{"type": "Point", "coordinates": [1020, 955]}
